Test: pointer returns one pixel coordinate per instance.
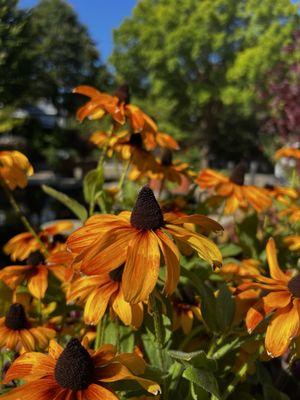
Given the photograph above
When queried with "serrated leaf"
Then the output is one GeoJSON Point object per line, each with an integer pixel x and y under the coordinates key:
{"type": "Point", "coordinates": [203, 378]}
{"type": "Point", "coordinates": [72, 204]}
{"type": "Point", "coordinates": [92, 184]}
{"type": "Point", "coordinates": [225, 308]}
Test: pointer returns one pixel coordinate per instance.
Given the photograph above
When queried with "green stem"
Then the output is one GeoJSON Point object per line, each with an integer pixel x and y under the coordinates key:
{"type": "Point", "coordinates": [104, 150]}
{"type": "Point", "coordinates": [39, 310]}
{"type": "Point", "coordinates": [215, 343]}
{"type": "Point", "coordinates": [161, 188]}
{"type": "Point", "coordinates": [158, 328]}
{"type": "Point", "coordinates": [22, 217]}
{"type": "Point", "coordinates": [231, 387]}
{"type": "Point", "coordinates": [117, 325]}
{"type": "Point", "coordinates": [100, 333]}
{"type": "Point", "coordinates": [240, 374]}
{"type": "Point", "coordinates": [123, 175]}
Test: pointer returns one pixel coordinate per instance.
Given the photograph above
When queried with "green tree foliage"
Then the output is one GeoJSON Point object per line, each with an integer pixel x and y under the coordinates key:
{"type": "Point", "coordinates": [64, 52]}
{"type": "Point", "coordinates": [15, 61]}
{"type": "Point", "coordinates": [200, 63]}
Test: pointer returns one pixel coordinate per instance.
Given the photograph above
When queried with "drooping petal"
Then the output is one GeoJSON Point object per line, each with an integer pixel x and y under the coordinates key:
{"type": "Point", "coordinates": [275, 270]}
{"type": "Point", "coordinates": [283, 327]}
{"type": "Point", "coordinates": [122, 308]}
{"type": "Point", "coordinates": [142, 267]}
{"type": "Point", "coordinates": [38, 283]}
{"type": "Point", "coordinates": [116, 372]}
{"type": "Point", "coordinates": [277, 299]}
{"type": "Point", "coordinates": [27, 340]}
{"type": "Point", "coordinates": [171, 257]}
{"type": "Point", "coordinates": [208, 224]}
{"type": "Point", "coordinates": [95, 392]}
{"type": "Point", "coordinates": [29, 366]}
{"type": "Point", "coordinates": [98, 258]}
{"type": "Point", "coordinates": [97, 302]}
{"type": "Point", "coordinates": [206, 248]}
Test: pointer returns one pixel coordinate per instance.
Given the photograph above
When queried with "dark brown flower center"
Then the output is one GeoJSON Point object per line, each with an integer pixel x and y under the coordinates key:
{"type": "Point", "coordinates": [238, 174]}
{"type": "Point", "coordinates": [74, 368]}
{"type": "Point", "coordinates": [269, 186]}
{"type": "Point", "coordinates": [123, 93]}
{"type": "Point", "coordinates": [35, 259]}
{"type": "Point", "coordinates": [146, 213]}
{"type": "Point", "coordinates": [136, 140]}
{"type": "Point", "coordinates": [116, 274]}
{"type": "Point", "coordinates": [294, 286]}
{"type": "Point", "coordinates": [15, 318]}
{"type": "Point", "coordinates": [166, 157]}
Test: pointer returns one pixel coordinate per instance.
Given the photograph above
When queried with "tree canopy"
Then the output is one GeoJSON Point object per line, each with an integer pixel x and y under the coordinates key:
{"type": "Point", "coordinates": [15, 60]}
{"type": "Point", "coordinates": [207, 60]}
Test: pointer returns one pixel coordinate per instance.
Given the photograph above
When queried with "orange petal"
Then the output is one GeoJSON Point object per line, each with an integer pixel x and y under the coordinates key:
{"type": "Point", "coordinates": [142, 267]}
{"type": "Point", "coordinates": [97, 302]}
{"type": "Point", "coordinates": [277, 299]}
{"type": "Point", "coordinates": [275, 270]}
{"type": "Point", "coordinates": [38, 283]}
{"type": "Point", "coordinates": [283, 327]}
{"type": "Point", "coordinates": [98, 392]}
{"type": "Point", "coordinates": [171, 256]}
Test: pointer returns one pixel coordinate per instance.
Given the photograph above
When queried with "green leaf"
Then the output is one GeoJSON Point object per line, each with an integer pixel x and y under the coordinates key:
{"type": "Point", "coordinates": [225, 308]}
{"type": "Point", "coordinates": [198, 393]}
{"type": "Point", "coordinates": [72, 204]}
{"type": "Point", "coordinates": [208, 301]}
{"type": "Point", "coordinates": [271, 393]}
{"type": "Point", "coordinates": [230, 250]}
{"type": "Point", "coordinates": [6, 296]}
{"type": "Point", "coordinates": [198, 359]}
{"type": "Point", "coordinates": [92, 184]}
{"type": "Point", "coordinates": [204, 379]}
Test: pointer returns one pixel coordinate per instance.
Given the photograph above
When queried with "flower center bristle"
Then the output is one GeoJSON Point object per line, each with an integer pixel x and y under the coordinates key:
{"type": "Point", "coordinates": [35, 259]}
{"type": "Point", "coordinates": [15, 318]}
{"type": "Point", "coordinates": [74, 368]}
{"type": "Point", "coordinates": [116, 274]}
{"type": "Point", "coordinates": [123, 93]}
{"type": "Point", "coordinates": [238, 174]}
{"type": "Point", "coordinates": [146, 213]}
{"type": "Point", "coordinates": [166, 157]}
{"type": "Point", "coordinates": [294, 286]}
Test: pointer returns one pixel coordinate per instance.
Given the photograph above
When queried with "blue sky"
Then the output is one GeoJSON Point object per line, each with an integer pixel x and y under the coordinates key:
{"type": "Point", "coordinates": [100, 16]}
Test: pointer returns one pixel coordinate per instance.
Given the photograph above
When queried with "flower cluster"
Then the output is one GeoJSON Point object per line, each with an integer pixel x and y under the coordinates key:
{"type": "Point", "coordinates": [144, 296]}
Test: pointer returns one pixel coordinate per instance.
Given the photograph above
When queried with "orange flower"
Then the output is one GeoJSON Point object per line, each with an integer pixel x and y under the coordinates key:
{"type": "Point", "coordinates": [14, 169]}
{"type": "Point", "coordinates": [184, 311]}
{"type": "Point", "coordinates": [282, 302]}
{"type": "Point", "coordinates": [282, 193]}
{"type": "Point", "coordinates": [163, 169]}
{"type": "Point", "coordinates": [293, 242]}
{"type": "Point", "coordinates": [232, 189]}
{"type": "Point", "coordinates": [287, 152]}
{"type": "Point", "coordinates": [22, 245]}
{"type": "Point", "coordinates": [35, 272]}
{"type": "Point", "coordinates": [20, 334]}
{"type": "Point", "coordinates": [121, 111]}
{"type": "Point", "coordinates": [136, 239]}
{"type": "Point", "coordinates": [99, 105]}
{"type": "Point", "coordinates": [292, 212]}
{"type": "Point", "coordinates": [246, 268]}
{"type": "Point", "coordinates": [99, 291]}
{"type": "Point", "coordinates": [75, 373]}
